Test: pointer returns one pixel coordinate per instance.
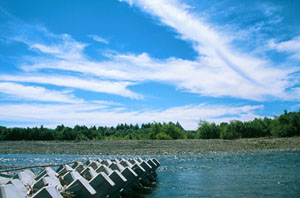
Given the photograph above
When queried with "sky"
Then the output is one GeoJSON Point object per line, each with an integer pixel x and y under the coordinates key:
{"type": "Point", "coordinates": [138, 61]}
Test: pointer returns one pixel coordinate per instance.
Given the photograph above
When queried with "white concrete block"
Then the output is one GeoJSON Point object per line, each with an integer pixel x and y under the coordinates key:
{"type": "Point", "coordinates": [18, 184]}
{"type": "Point", "coordinates": [94, 165]}
{"type": "Point", "coordinates": [62, 170]}
{"type": "Point", "coordinates": [47, 192]}
{"type": "Point", "coordinates": [25, 177]}
{"type": "Point", "coordinates": [71, 176]}
{"type": "Point", "coordinates": [81, 188]}
{"type": "Point", "coordinates": [104, 169]}
{"type": "Point", "coordinates": [47, 172]}
{"type": "Point", "coordinates": [10, 191]}
{"type": "Point", "coordinates": [117, 166]}
{"type": "Point", "coordinates": [102, 184]}
{"type": "Point", "coordinates": [47, 181]}
{"type": "Point", "coordinates": [106, 162]}
{"type": "Point", "coordinates": [88, 173]}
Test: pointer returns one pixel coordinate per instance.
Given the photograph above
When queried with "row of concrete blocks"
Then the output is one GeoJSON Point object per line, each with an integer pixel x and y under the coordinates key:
{"type": "Point", "coordinates": [92, 179]}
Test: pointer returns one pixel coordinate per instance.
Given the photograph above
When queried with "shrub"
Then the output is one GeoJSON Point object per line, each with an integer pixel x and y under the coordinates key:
{"type": "Point", "coordinates": [207, 130]}
{"type": "Point", "coordinates": [163, 136]}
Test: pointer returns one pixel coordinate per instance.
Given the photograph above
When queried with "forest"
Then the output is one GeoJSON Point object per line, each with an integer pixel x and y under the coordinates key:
{"type": "Point", "coordinates": [285, 125]}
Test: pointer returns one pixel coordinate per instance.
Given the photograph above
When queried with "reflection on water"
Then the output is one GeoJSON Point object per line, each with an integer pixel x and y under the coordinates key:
{"type": "Point", "coordinates": [270, 174]}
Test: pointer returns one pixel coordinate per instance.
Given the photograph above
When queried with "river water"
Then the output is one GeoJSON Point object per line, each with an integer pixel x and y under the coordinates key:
{"type": "Point", "coordinates": [259, 174]}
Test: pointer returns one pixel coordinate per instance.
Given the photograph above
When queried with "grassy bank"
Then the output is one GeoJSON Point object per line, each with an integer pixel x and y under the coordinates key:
{"type": "Point", "coordinates": [149, 147]}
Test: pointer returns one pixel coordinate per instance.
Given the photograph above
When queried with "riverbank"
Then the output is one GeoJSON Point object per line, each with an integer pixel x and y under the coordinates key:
{"type": "Point", "coordinates": [149, 147]}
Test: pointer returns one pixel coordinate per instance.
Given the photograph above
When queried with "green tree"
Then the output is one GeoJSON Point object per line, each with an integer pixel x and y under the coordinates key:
{"type": "Point", "coordinates": [233, 130]}
{"type": "Point", "coordinates": [286, 125]}
{"type": "Point", "coordinates": [173, 131]}
{"type": "Point", "coordinates": [163, 136]}
{"type": "Point", "coordinates": [207, 131]}
{"type": "Point", "coordinates": [154, 130]}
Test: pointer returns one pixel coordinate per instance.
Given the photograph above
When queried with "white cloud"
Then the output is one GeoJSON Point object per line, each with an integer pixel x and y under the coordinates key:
{"type": "Point", "coordinates": [89, 84]}
{"type": "Point", "coordinates": [230, 72]}
{"type": "Point", "coordinates": [18, 91]}
{"type": "Point", "coordinates": [99, 39]}
{"type": "Point", "coordinates": [62, 46]}
{"type": "Point", "coordinates": [51, 115]}
{"type": "Point", "coordinates": [219, 71]}
{"type": "Point", "coordinates": [206, 77]}
{"type": "Point", "coordinates": [291, 46]}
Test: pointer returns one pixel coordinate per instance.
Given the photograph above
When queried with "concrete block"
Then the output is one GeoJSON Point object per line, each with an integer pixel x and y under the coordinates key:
{"type": "Point", "coordinates": [131, 160]}
{"type": "Point", "coordinates": [78, 166]}
{"type": "Point", "coordinates": [154, 167]}
{"type": "Point", "coordinates": [104, 169]}
{"type": "Point", "coordinates": [115, 160]}
{"type": "Point", "coordinates": [102, 184]}
{"type": "Point", "coordinates": [19, 185]}
{"type": "Point", "coordinates": [156, 162]}
{"type": "Point", "coordinates": [26, 177]}
{"type": "Point", "coordinates": [146, 166]}
{"type": "Point", "coordinates": [47, 192]}
{"type": "Point", "coordinates": [97, 179]}
{"type": "Point", "coordinates": [47, 172]}
{"type": "Point", "coordinates": [10, 191]}
{"type": "Point", "coordinates": [131, 177]}
{"type": "Point", "coordinates": [106, 162]}
{"type": "Point", "coordinates": [62, 170]}
{"type": "Point", "coordinates": [129, 174]}
{"type": "Point", "coordinates": [88, 162]}
{"type": "Point", "coordinates": [142, 174]}
{"type": "Point", "coordinates": [100, 168]}
{"type": "Point", "coordinates": [94, 165]}
{"type": "Point", "coordinates": [150, 171]}
{"type": "Point", "coordinates": [132, 180]}
{"type": "Point", "coordinates": [47, 181]}
{"type": "Point", "coordinates": [125, 163]}
{"type": "Point", "coordinates": [117, 166]}
{"type": "Point", "coordinates": [152, 164]}
{"type": "Point", "coordinates": [81, 188]}
{"type": "Point", "coordinates": [119, 181]}
{"type": "Point", "coordinates": [88, 173]}
{"type": "Point", "coordinates": [140, 171]}
{"type": "Point", "coordinates": [29, 172]}
{"type": "Point", "coordinates": [71, 176]}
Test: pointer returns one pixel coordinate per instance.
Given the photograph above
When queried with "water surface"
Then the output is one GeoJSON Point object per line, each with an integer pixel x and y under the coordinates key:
{"type": "Point", "coordinates": [259, 174]}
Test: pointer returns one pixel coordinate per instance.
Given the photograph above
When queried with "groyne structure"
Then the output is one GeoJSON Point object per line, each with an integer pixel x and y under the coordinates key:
{"type": "Point", "coordinates": [90, 179]}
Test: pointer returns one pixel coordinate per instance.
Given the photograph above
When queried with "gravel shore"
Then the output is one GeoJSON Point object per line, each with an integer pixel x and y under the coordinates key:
{"type": "Point", "coordinates": [149, 147]}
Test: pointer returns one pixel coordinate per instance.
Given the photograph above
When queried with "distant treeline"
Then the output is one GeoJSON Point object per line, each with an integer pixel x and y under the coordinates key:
{"type": "Point", "coordinates": [285, 125]}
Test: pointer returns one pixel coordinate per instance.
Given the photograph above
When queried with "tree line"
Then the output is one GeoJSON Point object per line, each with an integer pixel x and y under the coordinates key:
{"type": "Point", "coordinates": [285, 125]}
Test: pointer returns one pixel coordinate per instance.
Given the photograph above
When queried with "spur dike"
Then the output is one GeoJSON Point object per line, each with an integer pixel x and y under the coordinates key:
{"type": "Point", "coordinates": [92, 178]}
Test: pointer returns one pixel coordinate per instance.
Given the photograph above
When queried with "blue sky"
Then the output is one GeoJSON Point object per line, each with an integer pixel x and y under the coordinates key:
{"type": "Point", "coordinates": [136, 61]}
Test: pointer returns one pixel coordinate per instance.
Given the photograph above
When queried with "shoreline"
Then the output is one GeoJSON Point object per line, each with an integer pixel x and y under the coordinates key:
{"type": "Point", "coordinates": [150, 147]}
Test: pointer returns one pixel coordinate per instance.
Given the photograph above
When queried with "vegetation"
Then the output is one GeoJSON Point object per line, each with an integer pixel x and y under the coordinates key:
{"type": "Point", "coordinates": [285, 125]}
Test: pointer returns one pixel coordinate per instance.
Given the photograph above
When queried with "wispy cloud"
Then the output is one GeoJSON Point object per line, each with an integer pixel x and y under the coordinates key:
{"type": "Point", "coordinates": [208, 76]}
{"type": "Point", "coordinates": [18, 91]}
{"type": "Point", "coordinates": [237, 74]}
{"type": "Point", "coordinates": [291, 46]}
{"type": "Point", "coordinates": [219, 71]}
{"type": "Point", "coordinates": [64, 53]}
{"type": "Point", "coordinates": [99, 39]}
{"type": "Point", "coordinates": [89, 84]}
{"type": "Point", "coordinates": [93, 114]}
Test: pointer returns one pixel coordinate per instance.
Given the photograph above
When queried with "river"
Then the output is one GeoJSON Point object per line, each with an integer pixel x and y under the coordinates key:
{"type": "Point", "coordinates": [255, 174]}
